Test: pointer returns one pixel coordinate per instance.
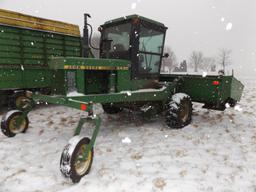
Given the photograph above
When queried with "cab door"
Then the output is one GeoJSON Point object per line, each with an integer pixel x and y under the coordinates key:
{"type": "Point", "coordinates": [150, 51]}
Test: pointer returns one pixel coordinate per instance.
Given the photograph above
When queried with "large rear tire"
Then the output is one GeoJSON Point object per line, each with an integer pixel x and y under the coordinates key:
{"type": "Point", "coordinates": [178, 111]}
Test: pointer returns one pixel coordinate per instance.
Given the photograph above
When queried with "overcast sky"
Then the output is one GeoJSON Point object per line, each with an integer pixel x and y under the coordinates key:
{"type": "Point", "coordinates": [205, 25]}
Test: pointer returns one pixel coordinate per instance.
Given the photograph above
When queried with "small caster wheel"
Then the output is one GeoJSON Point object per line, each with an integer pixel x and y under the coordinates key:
{"type": "Point", "coordinates": [13, 123]}
{"type": "Point", "coordinates": [72, 164]}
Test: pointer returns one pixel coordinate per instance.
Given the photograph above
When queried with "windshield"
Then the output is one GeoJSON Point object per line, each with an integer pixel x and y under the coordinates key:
{"type": "Point", "coordinates": [151, 40]}
{"type": "Point", "coordinates": [119, 37]}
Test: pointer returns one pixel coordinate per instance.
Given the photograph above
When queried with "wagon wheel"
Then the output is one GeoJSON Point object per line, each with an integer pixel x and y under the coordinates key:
{"type": "Point", "coordinates": [111, 109]}
{"type": "Point", "coordinates": [14, 123]}
{"type": "Point", "coordinates": [178, 112]}
{"type": "Point", "coordinates": [72, 164]}
{"type": "Point", "coordinates": [20, 101]}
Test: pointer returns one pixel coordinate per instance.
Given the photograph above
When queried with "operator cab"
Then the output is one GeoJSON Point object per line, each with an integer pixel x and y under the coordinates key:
{"type": "Point", "coordinates": [137, 39]}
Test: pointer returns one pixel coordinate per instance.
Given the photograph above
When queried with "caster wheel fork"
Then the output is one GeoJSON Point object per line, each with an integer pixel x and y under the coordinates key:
{"type": "Point", "coordinates": [77, 156]}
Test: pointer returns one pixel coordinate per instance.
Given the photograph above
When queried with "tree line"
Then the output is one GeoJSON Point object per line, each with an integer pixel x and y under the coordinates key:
{"type": "Point", "coordinates": [197, 61]}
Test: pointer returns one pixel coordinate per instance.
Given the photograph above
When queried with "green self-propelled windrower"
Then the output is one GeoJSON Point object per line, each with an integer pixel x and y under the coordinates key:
{"type": "Point", "coordinates": [126, 76]}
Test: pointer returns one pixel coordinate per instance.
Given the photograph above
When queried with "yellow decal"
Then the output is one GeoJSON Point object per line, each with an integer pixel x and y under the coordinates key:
{"type": "Point", "coordinates": [101, 68]}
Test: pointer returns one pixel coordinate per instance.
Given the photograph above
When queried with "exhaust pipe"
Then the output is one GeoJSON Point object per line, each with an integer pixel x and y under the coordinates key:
{"type": "Point", "coordinates": [85, 42]}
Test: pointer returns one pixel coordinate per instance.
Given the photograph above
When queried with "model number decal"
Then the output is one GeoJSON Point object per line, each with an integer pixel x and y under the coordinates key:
{"type": "Point", "coordinates": [94, 67]}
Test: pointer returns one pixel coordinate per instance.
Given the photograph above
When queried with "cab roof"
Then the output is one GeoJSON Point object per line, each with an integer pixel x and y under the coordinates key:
{"type": "Point", "coordinates": [131, 17]}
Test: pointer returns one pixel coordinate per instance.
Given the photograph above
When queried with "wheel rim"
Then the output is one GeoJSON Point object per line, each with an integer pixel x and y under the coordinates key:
{"type": "Point", "coordinates": [81, 166]}
{"type": "Point", "coordinates": [16, 127]}
{"type": "Point", "coordinates": [21, 102]}
{"type": "Point", "coordinates": [184, 114]}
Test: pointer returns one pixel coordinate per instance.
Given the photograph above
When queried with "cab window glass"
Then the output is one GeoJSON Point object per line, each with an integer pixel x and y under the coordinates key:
{"type": "Point", "coordinates": [119, 36]}
{"type": "Point", "coordinates": [150, 50]}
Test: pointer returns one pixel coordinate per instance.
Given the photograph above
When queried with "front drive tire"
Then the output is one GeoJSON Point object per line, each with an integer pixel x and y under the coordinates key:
{"type": "Point", "coordinates": [178, 112]}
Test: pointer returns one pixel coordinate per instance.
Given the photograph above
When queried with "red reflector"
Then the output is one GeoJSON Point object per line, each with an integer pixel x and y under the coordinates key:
{"type": "Point", "coordinates": [216, 82]}
{"type": "Point", "coordinates": [83, 107]}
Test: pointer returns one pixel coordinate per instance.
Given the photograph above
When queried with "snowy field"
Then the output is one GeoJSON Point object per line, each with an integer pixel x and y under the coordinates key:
{"type": "Point", "coordinates": [217, 152]}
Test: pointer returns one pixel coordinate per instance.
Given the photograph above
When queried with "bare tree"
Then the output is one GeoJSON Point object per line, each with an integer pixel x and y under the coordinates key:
{"type": "Point", "coordinates": [169, 62]}
{"type": "Point", "coordinates": [196, 59]}
{"type": "Point", "coordinates": [225, 58]}
{"type": "Point", "coordinates": [209, 64]}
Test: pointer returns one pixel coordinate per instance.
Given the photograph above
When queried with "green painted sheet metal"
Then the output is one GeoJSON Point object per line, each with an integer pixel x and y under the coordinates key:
{"type": "Point", "coordinates": [236, 89]}
{"type": "Point", "coordinates": [25, 79]}
{"type": "Point", "coordinates": [61, 101]}
{"type": "Point", "coordinates": [10, 79]}
{"type": "Point", "coordinates": [202, 89]}
{"type": "Point", "coordinates": [124, 82]}
{"type": "Point", "coordinates": [28, 47]}
{"type": "Point", "coordinates": [25, 53]}
{"type": "Point", "coordinates": [121, 97]}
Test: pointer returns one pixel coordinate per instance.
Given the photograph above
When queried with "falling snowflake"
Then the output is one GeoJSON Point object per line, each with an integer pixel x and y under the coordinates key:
{"type": "Point", "coordinates": [222, 19]}
{"type": "Point", "coordinates": [229, 26]}
{"type": "Point", "coordinates": [134, 5]}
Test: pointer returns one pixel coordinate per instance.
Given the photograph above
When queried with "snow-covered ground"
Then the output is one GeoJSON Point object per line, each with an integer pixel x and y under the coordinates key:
{"type": "Point", "coordinates": [217, 152]}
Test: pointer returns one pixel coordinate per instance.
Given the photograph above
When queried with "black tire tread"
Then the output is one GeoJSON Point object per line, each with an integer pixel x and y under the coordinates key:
{"type": "Point", "coordinates": [70, 161]}
{"type": "Point", "coordinates": [172, 113]}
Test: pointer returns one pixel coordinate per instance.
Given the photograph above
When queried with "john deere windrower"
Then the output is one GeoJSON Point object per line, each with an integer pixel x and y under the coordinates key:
{"type": "Point", "coordinates": [126, 76]}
